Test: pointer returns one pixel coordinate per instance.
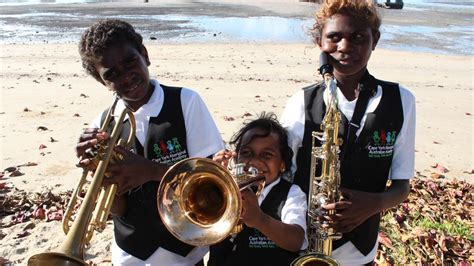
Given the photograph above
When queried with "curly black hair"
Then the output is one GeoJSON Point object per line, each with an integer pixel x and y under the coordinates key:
{"type": "Point", "coordinates": [268, 123]}
{"type": "Point", "coordinates": [101, 36]}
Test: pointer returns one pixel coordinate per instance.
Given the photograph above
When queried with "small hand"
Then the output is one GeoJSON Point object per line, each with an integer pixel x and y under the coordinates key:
{"type": "Point", "coordinates": [251, 214]}
{"type": "Point", "coordinates": [88, 139]}
{"type": "Point", "coordinates": [353, 210]}
{"type": "Point", "coordinates": [132, 171]}
{"type": "Point", "coordinates": [223, 157]}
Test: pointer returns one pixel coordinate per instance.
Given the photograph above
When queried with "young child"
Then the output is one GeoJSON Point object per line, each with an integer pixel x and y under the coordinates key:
{"type": "Point", "coordinates": [172, 124]}
{"type": "Point", "coordinates": [378, 134]}
{"type": "Point", "coordinates": [275, 221]}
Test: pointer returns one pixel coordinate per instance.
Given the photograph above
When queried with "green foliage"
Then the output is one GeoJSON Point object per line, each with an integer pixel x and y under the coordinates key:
{"type": "Point", "coordinates": [454, 228]}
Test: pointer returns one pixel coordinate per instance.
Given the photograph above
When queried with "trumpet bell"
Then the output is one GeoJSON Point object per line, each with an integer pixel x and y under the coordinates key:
{"type": "Point", "coordinates": [199, 201]}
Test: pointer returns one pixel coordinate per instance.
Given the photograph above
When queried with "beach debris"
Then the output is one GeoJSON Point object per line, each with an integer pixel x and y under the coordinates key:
{"type": "Point", "coordinates": [26, 109]}
{"type": "Point", "coordinates": [22, 234]}
{"type": "Point", "coordinates": [54, 215]}
{"type": "Point", "coordinates": [246, 114]}
{"type": "Point", "coordinates": [39, 213]}
{"type": "Point", "coordinates": [28, 164]}
{"type": "Point", "coordinates": [384, 240]}
{"type": "Point", "coordinates": [11, 169]}
{"type": "Point", "coordinates": [76, 115]}
{"type": "Point", "coordinates": [83, 95]}
{"type": "Point", "coordinates": [153, 38]}
{"type": "Point", "coordinates": [51, 139]}
{"type": "Point", "coordinates": [41, 128]}
{"type": "Point", "coordinates": [42, 146]}
{"type": "Point", "coordinates": [35, 81]}
{"type": "Point", "coordinates": [436, 175]}
{"type": "Point", "coordinates": [432, 226]}
{"type": "Point", "coordinates": [436, 142]}
{"type": "Point", "coordinates": [18, 206]}
{"type": "Point", "coordinates": [467, 113]}
{"type": "Point", "coordinates": [228, 118]}
{"type": "Point", "coordinates": [441, 168]}
{"type": "Point", "coordinates": [16, 173]}
{"type": "Point", "coordinates": [469, 171]}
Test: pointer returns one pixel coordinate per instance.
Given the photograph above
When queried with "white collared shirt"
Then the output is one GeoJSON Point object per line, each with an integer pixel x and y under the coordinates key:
{"type": "Point", "coordinates": [202, 136]}
{"type": "Point", "coordinates": [294, 210]}
{"type": "Point", "coordinates": [403, 162]}
{"type": "Point", "coordinates": [203, 139]}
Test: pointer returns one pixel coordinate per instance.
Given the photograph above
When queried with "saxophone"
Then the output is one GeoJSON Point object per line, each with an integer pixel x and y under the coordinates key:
{"type": "Point", "coordinates": [323, 189]}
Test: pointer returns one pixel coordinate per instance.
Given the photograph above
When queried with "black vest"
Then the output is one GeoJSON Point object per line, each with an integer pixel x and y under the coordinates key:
{"type": "Point", "coordinates": [251, 247]}
{"type": "Point", "coordinates": [140, 231]}
{"type": "Point", "coordinates": [367, 164]}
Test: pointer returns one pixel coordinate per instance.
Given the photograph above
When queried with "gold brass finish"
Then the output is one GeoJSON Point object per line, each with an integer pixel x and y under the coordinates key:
{"type": "Point", "coordinates": [315, 259]}
{"type": "Point", "coordinates": [94, 210]}
{"type": "Point", "coordinates": [323, 189]}
{"type": "Point", "coordinates": [199, 200]}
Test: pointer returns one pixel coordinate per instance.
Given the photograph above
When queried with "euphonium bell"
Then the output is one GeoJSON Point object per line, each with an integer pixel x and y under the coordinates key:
{"type": "Point", "coordinates": [199, 200]}
{"type": "Point", "coordinates": [95, 208]}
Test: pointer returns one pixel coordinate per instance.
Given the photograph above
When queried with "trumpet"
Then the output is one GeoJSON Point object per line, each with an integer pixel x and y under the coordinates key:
{"type": "Point", "coordinates": [94, 210]}
{"type": "Point", "coordinates": [199, 200]}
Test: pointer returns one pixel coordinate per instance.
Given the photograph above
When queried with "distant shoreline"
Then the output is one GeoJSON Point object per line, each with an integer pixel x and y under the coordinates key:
{"type": "Point", "coordinates": [182, 22]}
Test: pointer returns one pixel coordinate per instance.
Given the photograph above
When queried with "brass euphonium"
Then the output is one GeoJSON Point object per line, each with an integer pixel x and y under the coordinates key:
{"type": "Point", "coordinates": [323, 189]}
{"type": "Point", "coordinates": [199, 200]}
{"type": "Point", "coordinates": [95, 208]}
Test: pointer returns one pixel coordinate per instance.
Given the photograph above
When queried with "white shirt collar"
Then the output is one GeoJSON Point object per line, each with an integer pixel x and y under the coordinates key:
{"type": "Point", "coordinates": [150, 109]}
{"type": "Point", "coordinates": [267, 189]}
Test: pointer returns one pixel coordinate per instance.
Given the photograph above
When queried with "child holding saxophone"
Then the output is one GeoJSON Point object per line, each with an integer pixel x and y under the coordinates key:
{"type": "Point", "coordinates": [171, 124]}
{"type": "Point", "coordinates": [275, 220]}
{"type": "Point", "coordinates": [377, 129]}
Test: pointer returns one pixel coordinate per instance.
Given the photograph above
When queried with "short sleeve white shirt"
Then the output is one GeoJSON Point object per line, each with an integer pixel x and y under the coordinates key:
{"type": "Point", "coordinates": [403, 162]}
{"type": "Point", "coordinates": [294, 209]}
{"type": "Point", "coordinates": [203, 139]}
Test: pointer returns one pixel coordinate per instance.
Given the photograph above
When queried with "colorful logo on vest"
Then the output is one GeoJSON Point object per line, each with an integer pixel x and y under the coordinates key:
{"type": "Point", "coordinates": [382, 144]}
{"type": "Point", "coordinates": [169, 151]}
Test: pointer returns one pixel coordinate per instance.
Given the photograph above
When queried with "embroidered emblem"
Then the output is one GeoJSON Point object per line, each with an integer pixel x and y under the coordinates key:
{"type": "Point", "coordinates": [169, 151]}
{"type": "Point", "coordinates": [382, 144]}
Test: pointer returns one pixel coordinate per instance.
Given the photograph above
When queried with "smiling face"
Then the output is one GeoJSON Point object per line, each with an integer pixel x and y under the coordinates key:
{"type": "Point", "coordinates": [350, 44]}
{"type": "Point", "coordinates": [262, 151]}
{"type": "Point", "coordinates": [124, 69]}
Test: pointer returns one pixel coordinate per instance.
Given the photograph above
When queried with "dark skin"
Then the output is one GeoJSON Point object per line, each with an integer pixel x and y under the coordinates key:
{"type": "Point", "coordinates": [350, 44]}
{"type": "Point", "coordinates": [264, 154]}
{"type": "Point", "coordinates": [124, 70]}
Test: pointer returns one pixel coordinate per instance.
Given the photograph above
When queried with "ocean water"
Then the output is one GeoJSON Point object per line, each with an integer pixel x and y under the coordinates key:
{"type": "Point", "coordinates": [407, 3]}
{"type": "Point", "coordinates": [36, 26]}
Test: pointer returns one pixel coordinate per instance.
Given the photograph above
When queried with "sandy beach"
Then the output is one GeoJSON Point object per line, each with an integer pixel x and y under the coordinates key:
{"type": "Point", "coordinates": [47, 100]}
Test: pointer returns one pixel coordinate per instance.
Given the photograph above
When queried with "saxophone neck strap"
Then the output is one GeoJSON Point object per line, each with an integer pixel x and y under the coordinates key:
{"type": "Point", "coordinates": [368, 88]}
